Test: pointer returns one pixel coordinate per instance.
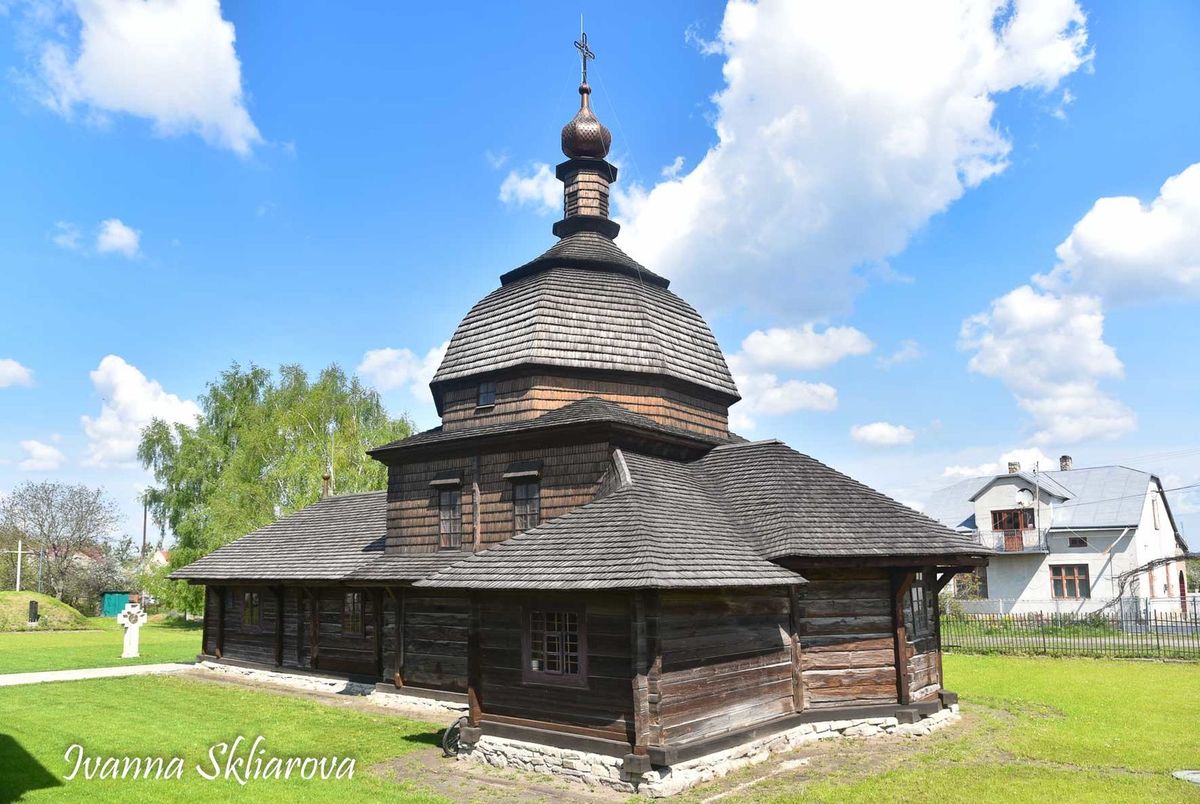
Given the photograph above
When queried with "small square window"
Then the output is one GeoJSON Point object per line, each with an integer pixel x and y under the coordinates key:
{"type": "Point", "coordinates": [554, 645]}
{"type": "Point", "coordinates": [1077, 541]}
{"type": "Point", "coordinates": [487, 395]}
{"type": "Point", "coordinates": [352, 614]}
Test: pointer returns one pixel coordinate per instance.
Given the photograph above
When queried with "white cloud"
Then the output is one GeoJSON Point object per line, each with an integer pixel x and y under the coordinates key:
{"type": "Point", "coordinates": [764, 394]}
{"type": "Point", "coordinates": [172, 62]}
{"type": "Point", "coordinates": [882, 434]}
{"type": "Point", "coordinates": [13, 373]}
{"type": "Point", "coordinates": [129, 401]}
{"type": "Point", "coordinates": [804, 348]}
{"type": "Point", "coordinates": [40, 457]}
{"type": "Point", "coordinates": [116, 237]}
{"type": "Point", "coordinates": [539, 189]}
{"type": "Point", "coordinates": [67, 236]}
{"type": "Point", "coordinates": [1050, 351]}
{"type": "Point", "coordinates": [1028, 457]}
{"type": "Point", "coordinates": [394, 368]}
{"type": "Point", "coordinates": [672, 170]}
{"type": "Point", "coordinates": [1124, 250]}
{"type": "Point", "coordinates": [907, 351]}
{"type": "Point", "coordinates": [836, 140]}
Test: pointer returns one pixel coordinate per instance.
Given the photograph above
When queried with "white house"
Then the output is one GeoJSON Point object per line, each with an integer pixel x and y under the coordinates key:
{"type": "Point", "coordinates": [1070, 540]}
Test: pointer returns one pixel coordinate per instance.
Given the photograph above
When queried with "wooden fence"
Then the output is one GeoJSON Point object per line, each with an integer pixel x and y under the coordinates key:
{"type": "Point", "coordinates": [1129, 635]}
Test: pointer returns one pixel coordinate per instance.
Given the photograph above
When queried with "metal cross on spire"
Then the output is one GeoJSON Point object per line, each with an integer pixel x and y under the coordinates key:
{"type": "Point", "coordinates": [585, 52]}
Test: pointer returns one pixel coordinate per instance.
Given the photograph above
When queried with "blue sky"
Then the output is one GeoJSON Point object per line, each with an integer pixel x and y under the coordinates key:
{"type": "Point", "coordinates": [856, 198]}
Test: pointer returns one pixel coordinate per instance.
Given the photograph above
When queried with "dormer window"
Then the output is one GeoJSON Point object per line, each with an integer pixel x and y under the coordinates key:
{"type": "Point", "coordinates": [486, 397]}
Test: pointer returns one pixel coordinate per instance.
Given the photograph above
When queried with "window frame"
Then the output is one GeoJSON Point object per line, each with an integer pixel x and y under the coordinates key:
{"type": "Point", "coordinates": [351, 627]}
{"type": "Point", "coordinates": [485, 395]}
{"type": "Point", "coordinates": [918, 614]}
{"type": "Point", "coordinates": [1059, 580]}
{"type": "Point", "coordinates": [1077, 542]}
{"type": "Point", "coordinates": [548, 677]}
{"type": "Point", "coordinates": [533, 501]}
{"type": "Point", "coordinates": [450, 525]}
{"type": "Point", "coordinates": [1024, 517]}
{"type": "Point", "coordinates": [252, 603]}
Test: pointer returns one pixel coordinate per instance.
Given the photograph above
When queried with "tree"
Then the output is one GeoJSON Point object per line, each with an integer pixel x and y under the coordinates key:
{"type": "Point", "coordinates": [257, 453]}
{"type": "Point", "coordinates": [69, 523]}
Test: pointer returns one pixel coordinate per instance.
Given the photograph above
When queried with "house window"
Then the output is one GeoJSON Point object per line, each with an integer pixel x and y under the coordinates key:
{"type": "Point", "coordinates": [251, 609]}
{"type": "Point", "coordinates": [554, 645]}
{"type": "Point", "coordinates": [1077, 541]}
{"type": "Point", "coordinates": [918, 619]}
{"type": "Point", "coordinates": [352, 614]}
{"type": "Point", "coordinates": [1070, 582]}
{"type": "Point", "coordinates": [450, 519]}
{"type": "Point", "coordinates": [487, 395]}
{"type": "Point", "coordinates": [527, 505]}
{"type": "Point", "coordinates": [1013, 519]}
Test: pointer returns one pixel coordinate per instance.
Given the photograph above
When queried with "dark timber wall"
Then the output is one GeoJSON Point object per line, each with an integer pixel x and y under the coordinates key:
{"type": "Point", "coordinates": [847, 641]}
{"type": "Point", "coordinates": [726, 661]}
{"type": "Point", "coordinates": [602, 708]}
{"type": "Point", "coordinates": [435, 639]}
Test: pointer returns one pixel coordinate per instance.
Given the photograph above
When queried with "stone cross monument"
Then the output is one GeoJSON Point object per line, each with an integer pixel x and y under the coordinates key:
{"type": "Point", "coordinates": [132, 618]}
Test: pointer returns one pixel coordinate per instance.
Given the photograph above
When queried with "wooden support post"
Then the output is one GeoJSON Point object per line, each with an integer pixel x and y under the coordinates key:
{"type": "Point", "coordinates": [299, 626]}
{"type": "Point", "coordinates": [279, 626]}
{"type": "Point", "coordinates": [205, 636]}
{"type": "Point", "coordinates": [654, 668]}
{"type": "Point", "coordinates": [641, 667]}
{"type": "Point", "coordinates": [401, 596]}
{"type": "Point", "coordinates": [901, 581]}
{"type": "Point", "coordinates": [377, 601]}
{"type": "Point", "coordinates": [474, 667]}
{"type": "Point", "coordinates": [794, 633]}
{"type": "Point", "coordinates": [220, 621]}
{"type": "Point", "coordinates": [476, 526]}
{"type": "Point", "coordinates": [315, 629]}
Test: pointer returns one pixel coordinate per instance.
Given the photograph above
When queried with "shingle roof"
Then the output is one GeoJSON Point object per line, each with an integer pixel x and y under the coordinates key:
{"type": "Point", "coordinates": [667, 527]}
{"type": "Point", "coordinates": [1042, 480]}
{"type": "Point", "coordinates": [589, 319]}
{"type": "Point", "coordinates": [797, 506]}
{"type": "Point", "coordinates": [590, 410]}
{"type": "Point", "coordinates": [327, 541]}
{"type": "Point", "coordinates": [1099, 497]}
{"type": "Point", "coordinates": [586, 250]}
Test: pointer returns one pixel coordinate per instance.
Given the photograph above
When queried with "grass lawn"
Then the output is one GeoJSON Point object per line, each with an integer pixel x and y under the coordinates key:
{"type": "Point", "coordinates": [68, 650]}
{"type": "Point", "coordinates": [53, 614]}
{"type": "Point", "coordinates": [172, 716]}
{"type": "Point", "coordinates": [1036, 729]}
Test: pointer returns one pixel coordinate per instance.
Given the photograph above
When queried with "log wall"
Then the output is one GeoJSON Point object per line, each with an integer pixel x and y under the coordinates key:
{"type": "Point", "coordinates": [602, 708]}
{"type": "Point", "coordinates": [570, 477]}
{"type": "Point", "coordinates": [527, 397]}
{"type": "Point", "coordinates": [847, 644]}
{"type": "Point", "coordinates": [435, 639]}
{"type": "Point", "coordinates": [924, 654]}
{"type": "Point", "coordinates": [726, 661]}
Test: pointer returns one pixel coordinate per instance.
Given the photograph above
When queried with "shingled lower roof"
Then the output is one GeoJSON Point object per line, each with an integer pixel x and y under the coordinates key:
{"type": "Point", "coordinates": [797, 506]}
{"type": "Point", "coordinates": [587, 319]}
{"type": "Point", "coordinates": [330, 540]}
{"type": "Point", "coordinates": [665, 527]}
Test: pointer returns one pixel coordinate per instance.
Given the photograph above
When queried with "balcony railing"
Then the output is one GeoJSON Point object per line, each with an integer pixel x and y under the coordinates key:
{"type": "Point", "coordinates": [1030, 540]}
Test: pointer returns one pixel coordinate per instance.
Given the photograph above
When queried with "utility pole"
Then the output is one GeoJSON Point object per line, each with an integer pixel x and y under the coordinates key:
{"type": "Point", "coordinates": [18, 565]}
{"type": "Point", "coordinates": [145, 509]}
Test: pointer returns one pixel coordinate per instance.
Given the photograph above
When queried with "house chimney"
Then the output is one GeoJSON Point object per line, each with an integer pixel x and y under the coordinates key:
{"type": "Point", "coordinates": [1013, 467]}
{"type": "Point", "coordinates": [1064, 463]}
{"type": "Point", "coordinates": [325, 485]}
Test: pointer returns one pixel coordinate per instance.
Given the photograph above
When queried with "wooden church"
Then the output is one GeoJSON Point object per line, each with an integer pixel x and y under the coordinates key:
{"type": "Point", "coordinates": [582, 551]}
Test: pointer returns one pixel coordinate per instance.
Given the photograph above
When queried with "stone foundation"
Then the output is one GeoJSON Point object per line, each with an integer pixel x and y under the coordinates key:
{"type": "Point", "coordinates": [603, 771]}
{"type": "Point", "coordinates": [312, 682]}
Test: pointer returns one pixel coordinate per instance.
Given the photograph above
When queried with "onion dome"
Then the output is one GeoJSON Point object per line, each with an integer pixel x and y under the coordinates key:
{"type": "Point", "coordinates": [585, 137]}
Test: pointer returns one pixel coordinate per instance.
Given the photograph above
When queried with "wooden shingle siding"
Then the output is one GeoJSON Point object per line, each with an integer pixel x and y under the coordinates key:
{"type": "Point", "coordinates": [604, 707]}
{"type": "Point", "coordinates": [569, 478]}
{"type": "Point", "coordinates": [526, 397]}
{"type": "Point", "coordinates": [847, 648]}
{"type": "Point", "coordinates": [726, 661]}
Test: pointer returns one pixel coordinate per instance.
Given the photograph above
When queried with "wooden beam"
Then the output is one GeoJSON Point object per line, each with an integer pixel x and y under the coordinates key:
{"type": "Point", "coordinates": [641, 666]}
{"type": "Point", "coordinates": [901, 581]}
{"type": "Point", "coordinates": [279, 626]}
{"type": "Point", "coordinates": [377, 602]}
{"type": "Point", "coordinates": [299, 626]}
{"type": "Point", "coordinates": [474, 666]}
{"type": "Point", "coordinates": [794, 635]}
{"type": "Point", "coordinates": [401, 610]}
{"type": "Point", "coordinates": [220, 621]}
{"type": "Point", "coordinates": [314, 628]}
{"type": "Point", "coordinates": [654, 671]}
{"type": "Point", "coordinates": [947, 574]}
{"type": "Point", "coordinates": [205, 636]}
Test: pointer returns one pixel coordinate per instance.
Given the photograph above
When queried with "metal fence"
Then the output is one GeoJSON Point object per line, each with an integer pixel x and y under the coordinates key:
{"type": "Point", "coordinates": [1128, 633]}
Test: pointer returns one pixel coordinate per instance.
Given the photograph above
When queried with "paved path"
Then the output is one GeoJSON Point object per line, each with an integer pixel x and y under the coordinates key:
{"type": "Point", "coordinates": [13, 679]}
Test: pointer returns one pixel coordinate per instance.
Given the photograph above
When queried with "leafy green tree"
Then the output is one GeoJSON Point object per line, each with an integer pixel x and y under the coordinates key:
{"type": "Point", "coordinates": [257, 453]}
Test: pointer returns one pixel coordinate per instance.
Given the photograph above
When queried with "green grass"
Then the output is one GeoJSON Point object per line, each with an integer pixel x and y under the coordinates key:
{"type": "Point", "coordinates": [171, 716]}
{"type": "Point", "coordinates": [53, 613]}
{"type": "Point", "coordinates": [1036, 730]}
{"type": "Point", "coordinates": [69, 650]}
